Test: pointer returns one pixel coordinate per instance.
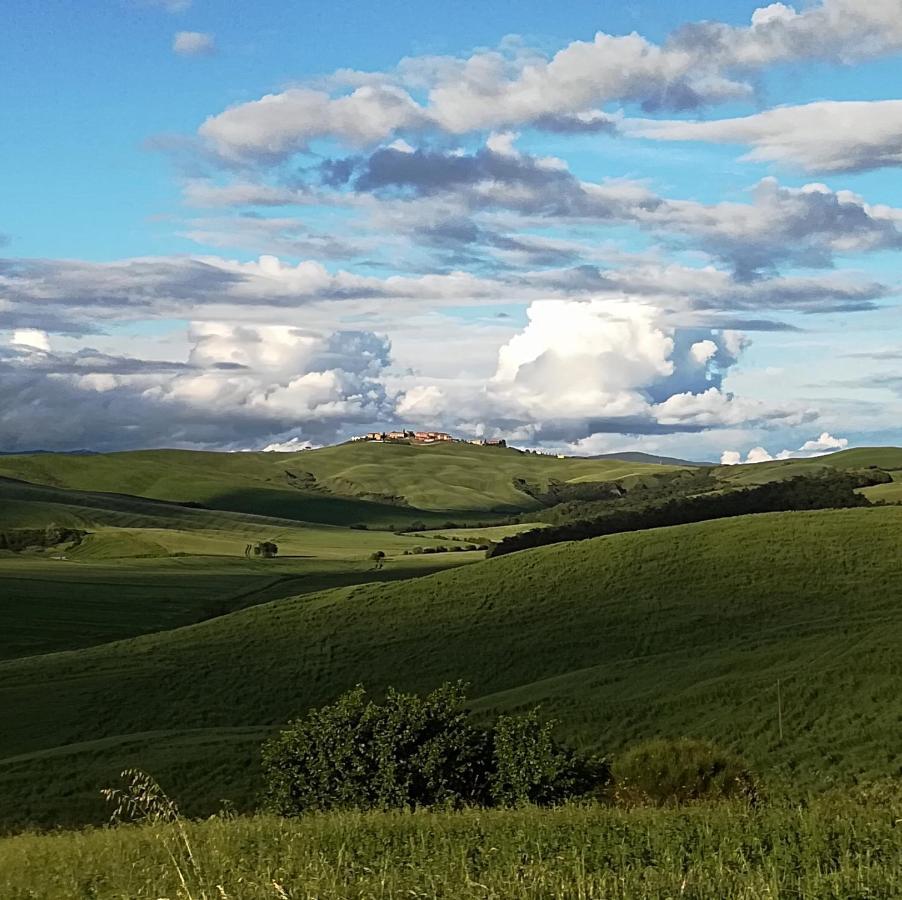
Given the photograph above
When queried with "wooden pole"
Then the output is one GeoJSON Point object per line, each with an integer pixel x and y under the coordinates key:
{"type": "Point", "coordinates": [780, 710]}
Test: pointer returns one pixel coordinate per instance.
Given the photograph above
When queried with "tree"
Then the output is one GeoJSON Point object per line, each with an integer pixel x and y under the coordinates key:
{"type": "Point", "coordinates": [411, 751]}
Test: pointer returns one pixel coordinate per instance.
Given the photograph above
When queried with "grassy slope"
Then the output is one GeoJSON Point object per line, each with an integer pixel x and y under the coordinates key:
{"type": "Point", "coordinates": [350, 478]}
{"type": "Point", "coordinates": [835, 847]}
{"type": "Point", "coordinates": [888, 458]}
{"type": "Point", "coordinates": [148, 566]}
{"type": "Point", "coordinates": [675, 631]}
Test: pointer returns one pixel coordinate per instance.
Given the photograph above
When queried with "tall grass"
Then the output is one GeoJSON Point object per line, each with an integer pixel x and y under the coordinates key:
{"type": "Point", "coordinates": [840, 846]}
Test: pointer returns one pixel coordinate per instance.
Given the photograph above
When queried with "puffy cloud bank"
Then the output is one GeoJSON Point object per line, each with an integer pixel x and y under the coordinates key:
{"type": "Point", "coordinates": [820, 446]}
{"type": "Point", "coordinates": [586, 367]}
{"type": "Point", "coordinates": [698, 65]}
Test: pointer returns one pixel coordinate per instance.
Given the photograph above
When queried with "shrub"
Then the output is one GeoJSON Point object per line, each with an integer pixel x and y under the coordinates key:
{"type": "Point", "coordinates": [266, 549]}
{"type": "Point", "coordinates": [411, 751]}
{"type": "Point", "coordinates": [530, 766]}
{"type": "Point", "coordinates": [663, 772]}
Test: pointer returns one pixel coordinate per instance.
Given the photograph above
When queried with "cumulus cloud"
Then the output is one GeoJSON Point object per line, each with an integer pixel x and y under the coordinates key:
{"type": "Point", "coordinates": [193, 43]}
{"type": "Point", "coordinates": [825, 136]}
{"type": "Point", "coordinates": [587, 367]}
{"type": "Point", "coordinates": [804, 226]}
{"type": "Point", "coordinates": [240, 384]}
{"type": "Point", "coordinates": [698, 65]}
{"type": "Point", "coordinates": [819, 446]}
{"type": "Point", "coordinates": [292, 445]}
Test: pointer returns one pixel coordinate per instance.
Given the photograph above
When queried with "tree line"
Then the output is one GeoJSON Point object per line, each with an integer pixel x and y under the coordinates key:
{"type": "Point", "coordinates": [824, 491]}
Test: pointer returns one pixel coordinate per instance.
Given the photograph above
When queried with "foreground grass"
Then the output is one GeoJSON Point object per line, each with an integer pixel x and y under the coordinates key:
{"type": "Point", "coordinates": [834, 847]}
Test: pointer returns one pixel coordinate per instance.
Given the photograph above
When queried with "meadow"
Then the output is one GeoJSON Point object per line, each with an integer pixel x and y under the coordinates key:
{"type": "Point", "coordinates": [677, 631]}
{"type": "Point", "coordinates": [838, 846]}
{"type": "Point", "coordinates": [350, 483]}
{"type": "Point", "coordinates": [149, 639]}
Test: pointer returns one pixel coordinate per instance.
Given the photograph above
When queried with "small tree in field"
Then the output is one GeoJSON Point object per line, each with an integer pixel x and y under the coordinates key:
{"type": "Point", "coordinates": [266, 549]}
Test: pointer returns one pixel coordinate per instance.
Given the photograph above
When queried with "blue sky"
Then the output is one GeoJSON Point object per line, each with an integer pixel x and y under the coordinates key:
{"type": "Point", "coordinates": [505, 218]}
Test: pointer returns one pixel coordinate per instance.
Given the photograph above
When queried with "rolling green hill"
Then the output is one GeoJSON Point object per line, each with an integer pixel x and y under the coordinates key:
{"type": "Point", "coordinates": [677, 631]}
{"type": "Point", "coordinates": [146, 565]}
{"type": "Point", "coordinates": [377, 484]}
{"type": "Point", "coordinates": [887, 458]}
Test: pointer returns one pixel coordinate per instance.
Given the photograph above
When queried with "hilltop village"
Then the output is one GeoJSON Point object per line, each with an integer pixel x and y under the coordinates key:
{"type": "Point", "coordinates": [427, 437]}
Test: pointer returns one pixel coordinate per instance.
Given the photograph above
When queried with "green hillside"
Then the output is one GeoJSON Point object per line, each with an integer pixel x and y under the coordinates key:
{"type": "Point", "coordinates": [146, 566]}
{"type": "Point", "coordinates": [887, 458]}
{"type": "Point", "coordinates": [678, 631]}
{"type": "Point", "coordinates": [377, 484]}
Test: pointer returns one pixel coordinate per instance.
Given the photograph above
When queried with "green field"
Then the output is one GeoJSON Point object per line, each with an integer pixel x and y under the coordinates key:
{"type": "Point", "coordinates": [887, 458]}
{"type": "Point", "coordinates": [149, 566]}
{"type": "Point", "coordinates": [342, 485]}
{"type": "Point", "coordinates": [836, 847]}
{"type": "Point", "coordinates": [678, 631]}
{"type": "Point", "coordinates": [479, 535]}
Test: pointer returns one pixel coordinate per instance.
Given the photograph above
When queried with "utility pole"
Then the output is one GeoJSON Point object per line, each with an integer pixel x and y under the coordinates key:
{"type": "Point", "coordinates": [780, 710]}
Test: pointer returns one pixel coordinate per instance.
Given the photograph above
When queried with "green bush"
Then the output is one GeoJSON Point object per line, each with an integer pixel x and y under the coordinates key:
{"type": "Point", "coordinates": [662, 772]}
{"type": "Point", "coordinates": [530, 766]}
{"type": "Point", "coordinates": [411, 751]}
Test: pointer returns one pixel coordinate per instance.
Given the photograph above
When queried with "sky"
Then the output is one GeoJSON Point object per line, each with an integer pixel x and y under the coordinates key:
{"type": "Point", "coordinates": [586, 227]}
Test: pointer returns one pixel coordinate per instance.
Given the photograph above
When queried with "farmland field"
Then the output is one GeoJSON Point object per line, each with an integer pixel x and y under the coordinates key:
{"type": "Point", "coordinates": [585, 630]}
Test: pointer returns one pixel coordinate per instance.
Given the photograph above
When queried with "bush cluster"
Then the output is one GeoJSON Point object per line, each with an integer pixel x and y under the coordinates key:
{"type": "Point", "coordinates": [663, 772]}
{"type": "Point", "coordinates": [21, 538]}
{"type": "Point", "coordinates": [410, 751]}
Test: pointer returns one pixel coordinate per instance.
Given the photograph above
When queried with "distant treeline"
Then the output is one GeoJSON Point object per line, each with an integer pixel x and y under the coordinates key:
{"type": "Point", "coordinates": [831, 491]}
{"type": "Point", "coordinates": [21, 538]}
{"type": "Point", "coordinates": [611, 495]}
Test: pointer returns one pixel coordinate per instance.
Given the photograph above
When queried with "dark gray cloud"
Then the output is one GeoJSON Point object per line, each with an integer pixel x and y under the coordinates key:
{"type": "Point", "coordinates": [806, 227]}
{"type": "Point", "coordinates": [568, 123]}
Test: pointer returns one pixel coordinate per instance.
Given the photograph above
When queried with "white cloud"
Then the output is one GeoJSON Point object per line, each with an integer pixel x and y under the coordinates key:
{"type": "Point", "coordinates": [193, 43]}
{"type": "Point", "coordinates": [825, 136]}
{"type": "Point", "coordinates": [292, 445]}
{"type": "Point", "coordinates": [421, 400]}
{"type": "Point", "coordinates": [278, 125]}
{"type": "Point", "coordinates": [819, 446]}
{"type": "Point", "coordinates": [587, 367]}
{"type": "Point", "coordinates": [31, 338]}
{"type": "Point", "coordinates": [240, 382]}
{"type": "Point", "coordinates": [700, 64]}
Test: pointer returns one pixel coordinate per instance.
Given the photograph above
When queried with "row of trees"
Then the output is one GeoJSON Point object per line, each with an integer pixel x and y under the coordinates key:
{"type": "Point", "coordinates": [21, 538]}
{"type": "Point", "coordinates": [830, 491]}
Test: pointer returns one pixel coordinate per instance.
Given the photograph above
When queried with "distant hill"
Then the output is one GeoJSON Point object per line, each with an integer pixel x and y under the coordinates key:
{"type": "Point", "coordinates": [379, 484]}
{"type": "Point", "coordinates": [886, 458]}
{"type": "Point", "coordinates": [650, 459]}
{"type": "Point", "coordinates": [674, 631]}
